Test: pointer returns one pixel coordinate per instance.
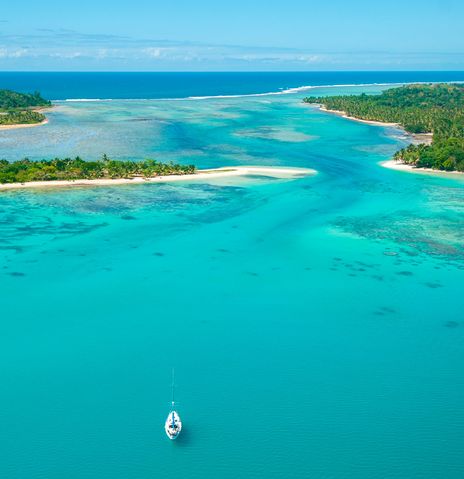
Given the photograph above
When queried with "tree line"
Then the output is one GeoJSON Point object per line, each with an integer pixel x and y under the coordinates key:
{"type": "Point", "coordinates": [435, 108]}
{"type": "Point", "coordinates": [25, 170]}
{"type": "Point", "coordinates": [18, 108]}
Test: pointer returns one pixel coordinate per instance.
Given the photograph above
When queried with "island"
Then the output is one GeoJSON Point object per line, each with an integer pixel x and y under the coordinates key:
{"type": "Point", "coordinates": [71, 169]}
{"type": "Point", "coordinates": [420, 109]}
{"type": "Point", "coordinates": [21, 109]}
{"type": "Point", "coordinates": [107, 172]}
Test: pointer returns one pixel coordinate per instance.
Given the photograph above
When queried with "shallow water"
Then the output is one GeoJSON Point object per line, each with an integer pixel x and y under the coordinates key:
{"type": "Point", "coordinates": [315, 325]}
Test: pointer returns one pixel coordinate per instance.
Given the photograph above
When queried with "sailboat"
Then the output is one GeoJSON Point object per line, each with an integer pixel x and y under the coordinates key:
{"type": "Point", "coordinates": [173, 424]}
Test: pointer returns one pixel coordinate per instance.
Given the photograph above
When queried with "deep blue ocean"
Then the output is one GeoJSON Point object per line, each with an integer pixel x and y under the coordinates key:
{"type": "Point", "coordinates": [61, 86]}
{"type": "Point", "coordinates": [315, 324]}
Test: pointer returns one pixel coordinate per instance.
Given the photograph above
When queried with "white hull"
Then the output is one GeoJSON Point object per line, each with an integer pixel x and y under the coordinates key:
{"type": "Point", "coordinates": [173, 425]}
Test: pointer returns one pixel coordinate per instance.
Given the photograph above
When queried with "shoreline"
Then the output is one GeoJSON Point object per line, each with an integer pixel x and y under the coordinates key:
{"type": "Point", "coordinates": [224, 172]}
{"type": "Point", "coordinates": [23, 125]}
{"type": "Point", "coordinates": [29, 125]}
{"type": "Point", "coordinates": [394, 165]}
{"type": "Point", "coordinates": [425, 138]}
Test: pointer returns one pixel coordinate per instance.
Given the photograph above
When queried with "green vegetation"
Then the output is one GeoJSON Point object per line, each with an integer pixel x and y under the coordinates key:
{"type": "Point", "coordinates": [18, 108]}
{"type": "Point", "coordinates": [26, 170]}
{"type": "Point", "coordinates": [21, 117]}
{"type": "Point", "coordinates": [11, 100]}
{"type": "Point", "coordinates": [437, 109]}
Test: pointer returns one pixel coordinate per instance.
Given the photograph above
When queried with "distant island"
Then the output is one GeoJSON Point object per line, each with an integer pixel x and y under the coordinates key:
{"type": "Point", "coordinates": [436, 109]}
{"type": "Point", "coordinates": [21, 108]}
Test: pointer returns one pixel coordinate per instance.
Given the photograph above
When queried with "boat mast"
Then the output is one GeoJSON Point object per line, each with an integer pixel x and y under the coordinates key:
{"type": "Point", "coordinates": [172, 402]}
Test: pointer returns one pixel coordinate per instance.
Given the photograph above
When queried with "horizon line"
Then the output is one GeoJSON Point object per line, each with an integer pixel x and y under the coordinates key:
{"type": "Point", "coordinates": [236, 71]}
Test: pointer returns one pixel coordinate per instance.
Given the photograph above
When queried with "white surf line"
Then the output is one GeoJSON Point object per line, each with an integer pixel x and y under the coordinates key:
{"type": "Point", "coordinates": [284, 91]}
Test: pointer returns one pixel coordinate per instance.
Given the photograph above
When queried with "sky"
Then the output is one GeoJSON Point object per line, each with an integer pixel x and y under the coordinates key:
{"type": "Point", "coordinates": [238, 35]}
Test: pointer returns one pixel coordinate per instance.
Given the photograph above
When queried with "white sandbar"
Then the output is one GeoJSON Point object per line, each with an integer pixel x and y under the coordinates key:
{"type": "Point", "coordinates": [271, 171]}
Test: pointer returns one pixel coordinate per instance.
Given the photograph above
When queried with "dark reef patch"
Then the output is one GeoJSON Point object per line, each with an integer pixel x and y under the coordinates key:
{"type": "Point", "coordinates": [388, 309]}
{"type": "Point", "coordinates": [16, 249]}
{"type": "Point", "coordinates": [251, 273]}
{"type": "Point", "coordinates": [451, 324]}
{"type": "Point", "coordinates": [404, 273]}
{"type": "Point", "coordinates": [417, 236]}
{"type": "Point", "coordinates": [377, 277]}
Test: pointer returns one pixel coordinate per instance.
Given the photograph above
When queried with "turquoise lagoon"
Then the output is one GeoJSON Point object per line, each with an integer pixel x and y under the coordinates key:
{"type": "Point", "coordinates": [316, 325]}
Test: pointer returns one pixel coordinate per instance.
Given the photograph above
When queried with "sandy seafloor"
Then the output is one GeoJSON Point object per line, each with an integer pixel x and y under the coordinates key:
{"type": "Point", "coordinates": [316, 325]}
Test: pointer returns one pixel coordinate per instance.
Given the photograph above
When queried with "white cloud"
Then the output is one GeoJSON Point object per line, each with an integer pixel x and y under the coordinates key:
{"type": "Point", "coordinates": [153, 52]}
{"type": "Point", "coordinates": [13, 52]}
{"type": "Point", "coordinates": [50, 49]}
{"type": "Point", "coordinates": [66, 54]}
{"type": "Point", "coordinates": [310, 58]}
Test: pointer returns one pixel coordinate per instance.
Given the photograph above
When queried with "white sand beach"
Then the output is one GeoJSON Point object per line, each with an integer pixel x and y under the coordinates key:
{"type": "Point", "coordinates": [369, 122]}
{"type": "Point", "coordinates": [23, 125]}
{"type": "Point", "coordinates": [270, 171]}
{"type": "Point", "coordinates": [425, 138]}
{"type": "Point", "coordinates": [394, 165]}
